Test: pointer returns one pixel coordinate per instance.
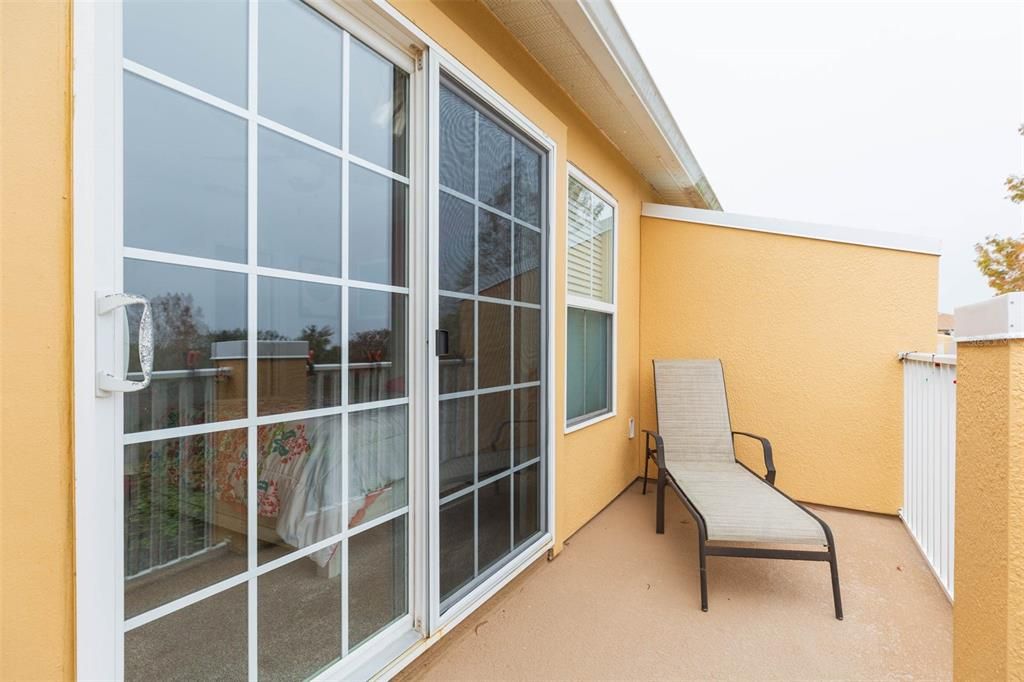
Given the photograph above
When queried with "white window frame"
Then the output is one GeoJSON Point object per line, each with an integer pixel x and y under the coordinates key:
{"type": "Point", "coordinates": [584, 303]}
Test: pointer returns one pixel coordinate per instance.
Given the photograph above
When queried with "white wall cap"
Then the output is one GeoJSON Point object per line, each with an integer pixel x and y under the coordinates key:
{"type": "Point", "coordinates": [1001, 317]}
{"type": "Point", "coordinates": [896, 241]}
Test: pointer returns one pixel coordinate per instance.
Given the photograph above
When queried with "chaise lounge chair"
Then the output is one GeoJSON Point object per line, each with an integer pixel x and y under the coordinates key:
{"type": "Point", "coordinates": [695, 455]}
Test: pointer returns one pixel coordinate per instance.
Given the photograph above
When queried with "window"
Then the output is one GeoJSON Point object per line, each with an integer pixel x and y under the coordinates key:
{"type": "Point", "coordinates": [590, 275]}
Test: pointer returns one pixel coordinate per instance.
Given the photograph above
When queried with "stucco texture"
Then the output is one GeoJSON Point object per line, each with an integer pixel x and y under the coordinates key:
{"type": "Point", "coordinates": [36, 550]}
{"type": "Point", "coordinates": [593, 464]}
{"type": "Point", "coordinates": [988, 613]}
{"type": "Point", "coordinates": [808, 331]}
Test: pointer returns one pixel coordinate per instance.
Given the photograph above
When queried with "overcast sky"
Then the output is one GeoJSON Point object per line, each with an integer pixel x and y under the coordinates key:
{"type": "Point", "coordinates": [898, 117]}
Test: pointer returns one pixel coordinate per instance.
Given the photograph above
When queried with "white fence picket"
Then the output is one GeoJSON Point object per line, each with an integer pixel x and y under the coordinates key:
{"type": "Point", "coordinates": [929, 458]}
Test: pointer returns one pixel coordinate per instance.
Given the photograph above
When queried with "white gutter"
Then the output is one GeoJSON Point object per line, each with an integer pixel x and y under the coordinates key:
{"type": "Point", "coordinates": [650, 138]}
{"type": "Point", "coordinates": [620, 45]}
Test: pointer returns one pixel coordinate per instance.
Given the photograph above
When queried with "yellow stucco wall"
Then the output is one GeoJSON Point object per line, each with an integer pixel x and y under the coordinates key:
{"type": "Point", "coordinates": [808, 331]}
{"type": "Point", "coordinates": [988, 612]}
{"type": "Point", "coordinates": [36, 551]}
{"type": "Point", "coordinates": [595, 463]}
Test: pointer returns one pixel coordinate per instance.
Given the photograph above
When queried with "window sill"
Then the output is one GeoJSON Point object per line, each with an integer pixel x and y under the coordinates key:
{"type": "Point", "coordinates": [593, 420]}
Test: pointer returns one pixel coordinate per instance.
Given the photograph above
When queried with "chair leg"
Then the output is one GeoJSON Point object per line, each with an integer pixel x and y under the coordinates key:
{"type": "Point", "coordinates": [647, 463]}
{"type": "Point", "coordinates": [703, 575]}
{"type": "Point", "coordinates": [660, 519]}
{"type": "Point", "coordinates": [836, 597]}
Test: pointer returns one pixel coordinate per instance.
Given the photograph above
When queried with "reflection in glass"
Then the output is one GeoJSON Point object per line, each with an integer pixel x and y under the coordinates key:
{"type": "Point", "coordinates": [528, 204]}
{"type": "Point", "coordinates": [456, 545]}
{"type": "Point", "coordinates": [378, 452]}
{"type": "Point", "coordinates": [527, 503]}
{"type": "Point", "coordinates": [184, 516]}
{"type": "Point", "coordinates": [377, 113]}
{"type": "Point", "coordinates": [527, 418]}
{"type": "Point", "coordinates": [455, 369]}
{"type": "Point", "coordinates": [376, 345]}
{"type": "Point", "coordinates": [457, 259]}
{"type": "Point", "coordinates": [495, 433]}
{"type": "Point", "coordinates": [588, 376]}
{"type": "Point", "coordinates": [299, 353]}
{"type": "Point", "coordinates": [456, 444]}
{"type": "Point", "coordinates": [495, 341]}
{"type": "Point", "coordinates": [299, 616]}
{"type": "Point", "coordinates": [495, 260]}
{"type": "Point", "coordinates": [299, 206]}
{"type": "Point", "coordinates": [495, 255]}
{"type": "Point", "coordinates": [202, 43]}
{"type": "Point", "coordinates": [299, 486]}
{"type": "Point", "coordinates": [527, 265]}
{"type": "Point", "coordinates": [376, 228]}
{"type": "Point", "coordinates": [495, 507]}
{"type": "Point", "coordinates": [458, 143]}
{"type": "Point", "coordinates": [598, 377]}
{"type": "Point", "coordinates": [300, 79]}
{"type": "Point", "coordinates": [495, 173]}
{"type": "Point", "coordinates": [377, 583]}
{"type": "Point", "coordinates": [527, 336]}
{"type": "Point", "coordinates": [590, 244]}
{"type": "Point", "coordinates": [576, 363]}
{"type": "Point", "coordinates": [184, 174]}
{"type": "Point", "coordinates": [204, 641]}
{"type": "Point", "coordinates": [199, 356]}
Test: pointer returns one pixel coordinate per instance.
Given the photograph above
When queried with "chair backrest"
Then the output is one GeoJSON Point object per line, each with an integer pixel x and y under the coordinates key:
{"type": "Point", "coordinates": [693, 413]}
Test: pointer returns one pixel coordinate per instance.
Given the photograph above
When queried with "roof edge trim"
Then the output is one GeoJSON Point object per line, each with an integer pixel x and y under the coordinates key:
{"type": "Point", "coordinates": [601, 18]}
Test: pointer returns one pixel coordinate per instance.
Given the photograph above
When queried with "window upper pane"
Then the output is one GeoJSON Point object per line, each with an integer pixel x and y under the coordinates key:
{"type": "Point", "coordinates": [300, 78]}
{"type": "Point", "coordinates": [591, 258]}
{"type": "Point", "coordinates": [378, 115]}
{"type": "Point", "coordinates": [184, 174]}
{"type": "Point", "coordinates": [202, 43]}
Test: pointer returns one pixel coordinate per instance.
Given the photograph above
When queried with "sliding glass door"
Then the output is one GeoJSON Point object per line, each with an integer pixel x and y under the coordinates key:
{"type": "Point", "coordinates": [491, 379]}
{"type": "Point", "coordinates": [265, 468]}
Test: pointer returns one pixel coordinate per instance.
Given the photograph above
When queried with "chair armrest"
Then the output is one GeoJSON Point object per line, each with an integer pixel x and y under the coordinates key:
{"type": "Point", "coordinates": [659, 447]}
{"type": "Point", "coordinates": [766, 446]}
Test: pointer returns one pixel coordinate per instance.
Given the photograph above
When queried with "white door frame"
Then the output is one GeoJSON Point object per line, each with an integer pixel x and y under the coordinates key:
{"type": "Point", "coordinates": [97, 254]}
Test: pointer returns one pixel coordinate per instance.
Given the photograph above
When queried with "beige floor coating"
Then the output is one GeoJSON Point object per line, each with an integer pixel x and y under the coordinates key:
{"type": "Point", "coordinates": [621, 602]}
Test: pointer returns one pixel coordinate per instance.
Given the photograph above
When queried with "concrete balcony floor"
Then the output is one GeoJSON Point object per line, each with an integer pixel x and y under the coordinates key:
{"type": "Point", "coordinates": [621, 602]}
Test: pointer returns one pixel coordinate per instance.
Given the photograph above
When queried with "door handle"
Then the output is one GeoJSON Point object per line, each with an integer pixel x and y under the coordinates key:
{"type": "Point", "coordinates": [107, 382]}
{"type": "Point", "coordinates": [440, 342]}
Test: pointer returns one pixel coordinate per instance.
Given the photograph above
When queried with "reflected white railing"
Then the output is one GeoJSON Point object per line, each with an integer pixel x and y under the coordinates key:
{"type": "Point", "coordinates": [929, 458]}
{"type": "Point", "coordinates": [170, 491]}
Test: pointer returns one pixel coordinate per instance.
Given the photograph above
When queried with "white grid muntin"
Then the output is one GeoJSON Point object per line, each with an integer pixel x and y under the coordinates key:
{"type": "Point", "coordinates": [466, 296]}
{"type": "Point", "coordinates": [170, 258]}
{"type": "Point", "coordinates": [260, 569]}
{"type": "Point", "coordinates": [480, 205]}
{"type": "Point", "coordinates": [462, 492]}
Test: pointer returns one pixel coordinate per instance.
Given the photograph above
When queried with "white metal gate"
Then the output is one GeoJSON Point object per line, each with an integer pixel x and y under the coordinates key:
{"type": "Point", "coordinates": [929, 458]}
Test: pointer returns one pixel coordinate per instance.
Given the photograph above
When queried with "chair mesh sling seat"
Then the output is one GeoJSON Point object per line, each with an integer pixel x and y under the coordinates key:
{"type": "Point", "coordinates": [695, 455]}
